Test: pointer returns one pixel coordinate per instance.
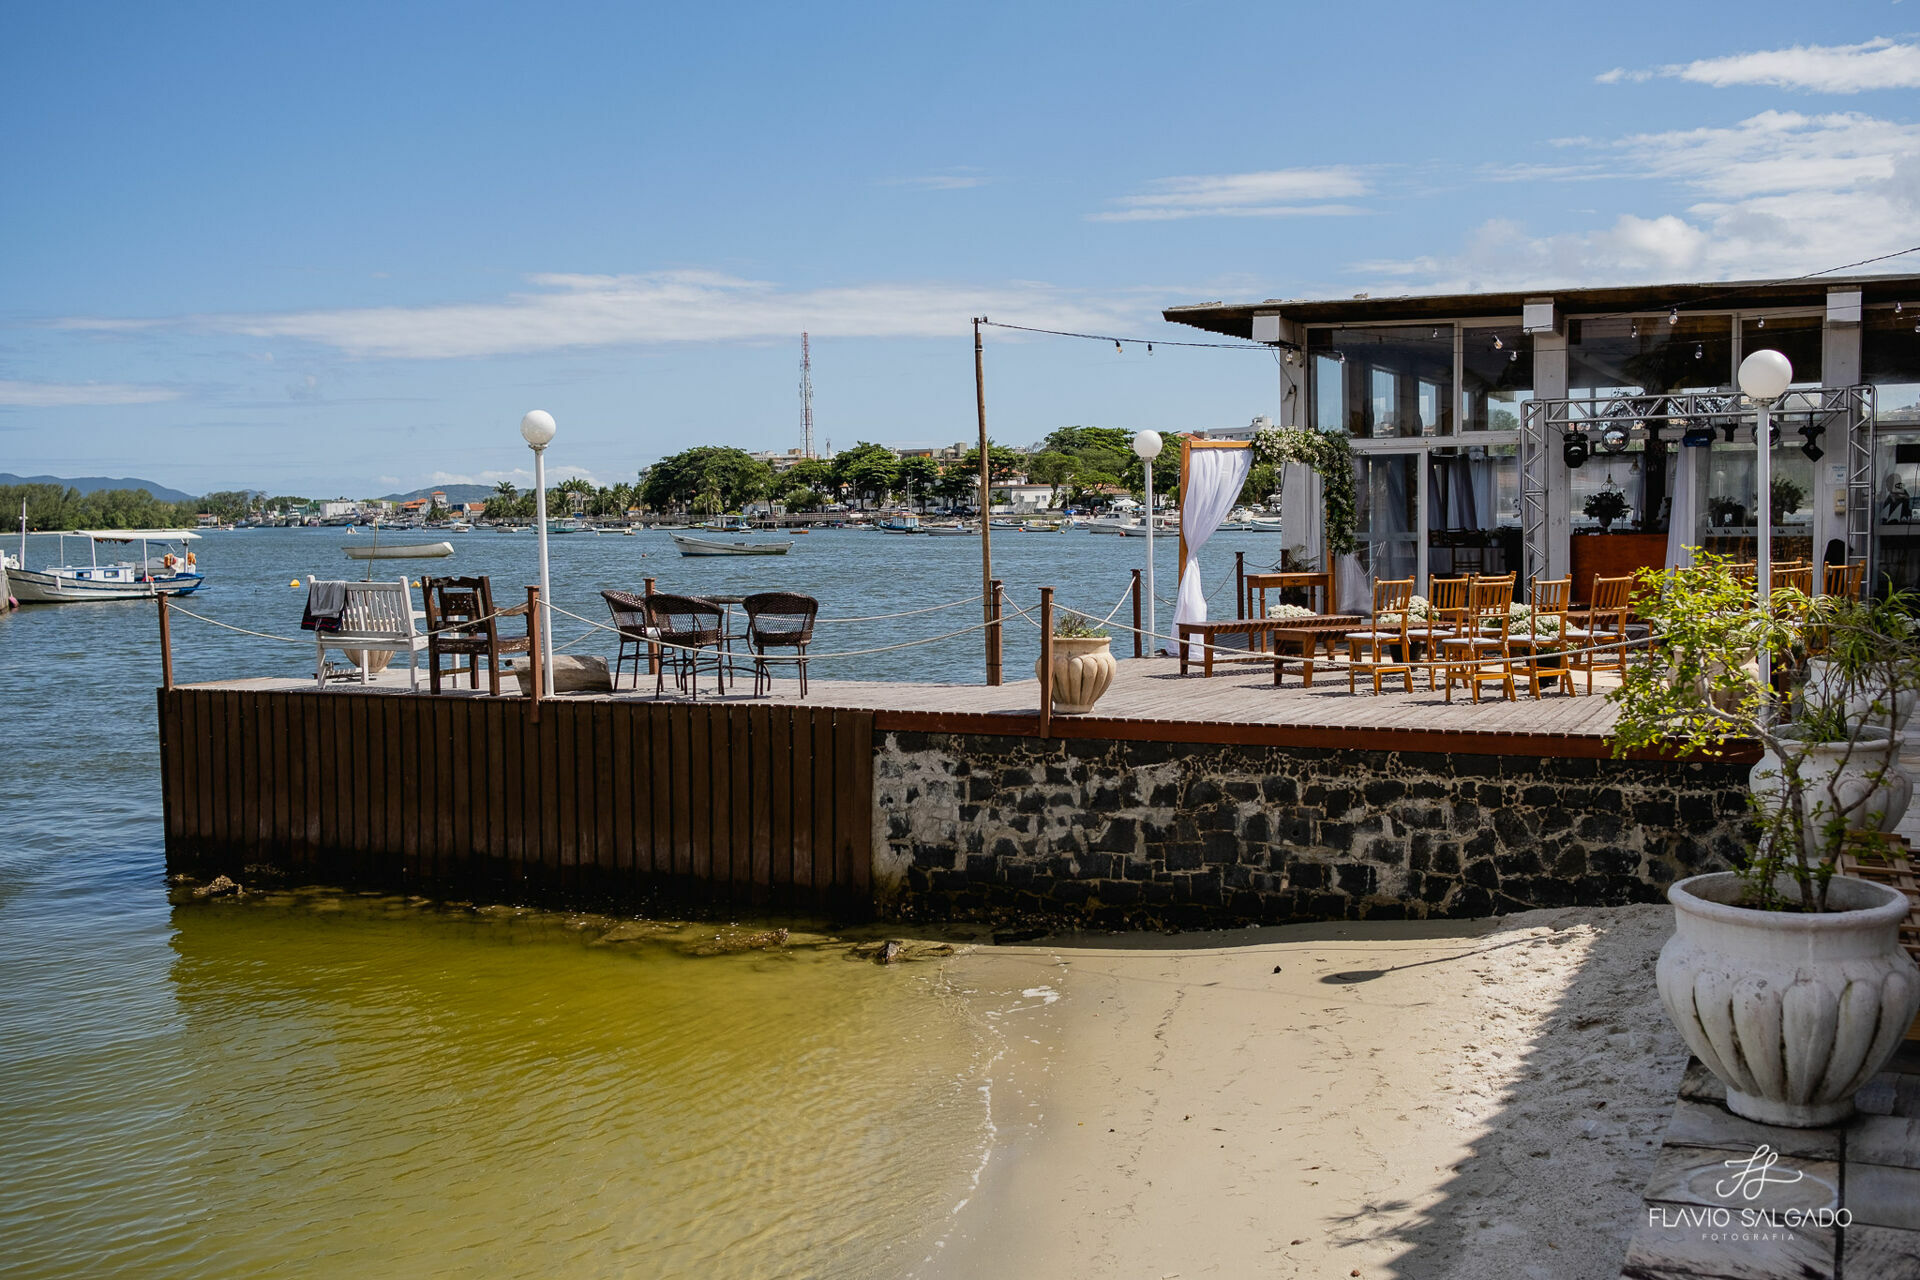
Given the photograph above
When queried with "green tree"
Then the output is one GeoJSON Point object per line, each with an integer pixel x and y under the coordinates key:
{"type": "Point", "coordinates": [1263, 481]}
{"type": "Point", "coordinates": [867, 470]}
{"type": "Point", "coordinates": [918, 477]}
{"type": "Point", "coordinates": [801, 498]}
{"type": "Point", "coordinates": [1079, 440]}
{"type": "Point", "coordinates": [812, 473]}
{"type": "Point", "coordinates": [1054, 468]}
{"type": "Point", "coordinates": [1003, 463]}
{"type": "Point", "coordinates": [696, 475]}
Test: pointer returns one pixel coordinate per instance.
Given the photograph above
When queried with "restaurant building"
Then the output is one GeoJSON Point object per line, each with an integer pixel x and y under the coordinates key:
{"type": "Point", "coordinates": [1483, 425]}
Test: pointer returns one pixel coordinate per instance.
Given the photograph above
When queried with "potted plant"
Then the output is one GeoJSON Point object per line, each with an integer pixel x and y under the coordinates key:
{"type": "Point", "coordinates": [1606, 506]}
{"type": "Point", "coordinates": [1726, 512]}
{"type": "Point", "coordinates": [1785, 978]}
{"type": "Point", "coordinates": [1786, 498]}
{"type": "Point", "coordinates": [1083, 664]}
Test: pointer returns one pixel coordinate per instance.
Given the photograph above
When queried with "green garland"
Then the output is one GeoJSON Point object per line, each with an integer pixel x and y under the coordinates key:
{"type": "Point", "coordinates": [1332, 459]}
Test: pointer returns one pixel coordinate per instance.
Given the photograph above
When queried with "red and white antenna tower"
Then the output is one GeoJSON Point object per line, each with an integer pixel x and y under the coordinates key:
{"type": "Point", "coordinates": [806, 396]}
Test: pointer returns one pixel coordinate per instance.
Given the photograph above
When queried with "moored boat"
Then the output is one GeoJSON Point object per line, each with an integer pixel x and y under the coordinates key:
{"type": "Point", "coordinates": [176, 574]}
{"type": "Point", "coordinates": [400, 551]}
{"type": "Point", "coordinates": [692, 546]}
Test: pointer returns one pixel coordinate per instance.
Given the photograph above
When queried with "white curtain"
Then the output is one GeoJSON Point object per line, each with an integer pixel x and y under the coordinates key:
{"type": "Point", "coordinates": [1209, 490]}
{"type": "Point", "coordinates": [1302, 520]}
{"type": "Point", "coordinates": [1683, 524]}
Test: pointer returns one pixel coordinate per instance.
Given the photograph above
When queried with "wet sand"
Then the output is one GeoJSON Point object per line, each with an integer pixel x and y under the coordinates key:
{"type": "Point", "coordinates": [1477, 1099]}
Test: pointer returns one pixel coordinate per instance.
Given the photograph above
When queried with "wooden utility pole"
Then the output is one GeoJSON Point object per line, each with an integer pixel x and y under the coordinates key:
{"type": "Point", "coordinates": [986, 507]}
{"type": "Point", "coordinates": [166, 643]}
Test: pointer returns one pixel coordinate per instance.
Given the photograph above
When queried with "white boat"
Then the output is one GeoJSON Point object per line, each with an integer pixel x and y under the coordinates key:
{"type": "Point", "coordinates": [692, 546]}
{"type": "Point", "coordinates": [176, 573]}
{"type": "Point", "coordinates": [400, 551]}
{"type": "Point", "coordinates": [947, 531]}
{"type": "Point", "coordinates": [1110, 525]}
{"type": "Point", "coordinates": [1264, 524]}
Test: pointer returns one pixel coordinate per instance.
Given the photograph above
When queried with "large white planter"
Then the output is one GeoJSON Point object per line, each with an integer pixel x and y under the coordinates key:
{"type": "Point", "coordinates": [1794, 1012]}
{"type": "Point", "coordinates": [1082, 671]}
{"type": "Point", "coordinates": [1825, 685]}
{"type": "Point", "coordinates": [1862, 782]}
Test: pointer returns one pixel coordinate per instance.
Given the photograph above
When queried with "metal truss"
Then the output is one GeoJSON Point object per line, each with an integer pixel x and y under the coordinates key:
{"type": "Point", "coordinates": [1844, 412]}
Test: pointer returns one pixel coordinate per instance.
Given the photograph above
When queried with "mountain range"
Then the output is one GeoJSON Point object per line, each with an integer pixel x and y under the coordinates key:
{"type": "Point", "coordinates": [456, 493]}
{"type": "Point", "coordinates": [93, 484]}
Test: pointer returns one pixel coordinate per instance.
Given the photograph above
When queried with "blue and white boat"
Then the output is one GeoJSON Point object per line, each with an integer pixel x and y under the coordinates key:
{"type": "Point", "coordinates": [175, 572]}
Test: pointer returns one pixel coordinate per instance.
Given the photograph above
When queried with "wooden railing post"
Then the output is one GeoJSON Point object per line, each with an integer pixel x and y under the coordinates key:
{"type": "Point", "coordinates": [995, 633]}
{"type": "Point", "coordinates": [1046, 661]}
{"type": "Point", "coordinates": [537, 647]}
{"type": "Point", "coordinates": [166, 643]}
{"type": "Point", "coordinates": [1138, 639]}
{"type": "Point", "coordinates": [653, 650]}
{"type": "Point", "coordinates": [1240, 585]}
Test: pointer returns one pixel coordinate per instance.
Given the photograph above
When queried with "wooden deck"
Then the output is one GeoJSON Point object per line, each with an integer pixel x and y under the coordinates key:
{"type": "Point", "coordinates": [1150, 700]}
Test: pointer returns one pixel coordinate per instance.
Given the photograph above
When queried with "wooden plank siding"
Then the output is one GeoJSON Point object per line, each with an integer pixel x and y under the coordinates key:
{"type": "Point", "coordinates": [727, 806]}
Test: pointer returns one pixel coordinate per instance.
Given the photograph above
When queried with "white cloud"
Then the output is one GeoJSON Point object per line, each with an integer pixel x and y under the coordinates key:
{"type": "Point", "coordinates": [570, 311]}
{"type": "Point", "coordinates": [1774, 195]}
{"type": "Point", "coordinates": [1845, 68]}
{"type": "Point", "coordinates": [60, 395]}
{"type": "Point", "coordinates": [1274, 193]}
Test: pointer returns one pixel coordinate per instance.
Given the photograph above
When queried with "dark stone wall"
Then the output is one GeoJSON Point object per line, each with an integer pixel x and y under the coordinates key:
{"type": "Point", "coordinates": [1152, 833]}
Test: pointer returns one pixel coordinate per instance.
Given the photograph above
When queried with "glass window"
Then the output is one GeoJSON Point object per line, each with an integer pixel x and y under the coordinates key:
{"type": "Point", "coordinates": [1896, 510]}
{"type": "Point", "coordinates": [1730, 517]}
{"type": "Point", "coordinates": [1383, 383]}
{"type": "Point", "coordinates": [1890, 360]}
{"type": "Point", "coordinates": [1801, 339]}
{"type": "Point", "coordinates": [1496, 381]}
{"type": "Point", "coordinates": [1644, 355]}
{"type": "Point", "coordinates": [1473, 510]}
{"type": "Point", "coordinates": [1386, 494]}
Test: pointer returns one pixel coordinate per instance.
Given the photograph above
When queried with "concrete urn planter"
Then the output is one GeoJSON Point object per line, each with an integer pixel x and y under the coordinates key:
{"type": "Point", "coordinates": [1862, 781]}
{"type": "Point", "coordinates": [1825, 684]}
{"type": "Point", "coordinates": [1082, 670]}
{"type": "Point", "coordinates": [1794, 1012]}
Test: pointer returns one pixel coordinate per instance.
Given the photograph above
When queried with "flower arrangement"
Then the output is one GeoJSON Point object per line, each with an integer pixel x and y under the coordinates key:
{"type": "Point", "coordinates": [1523, 621]}
{"type": "Point", "coordinates": [1332, 458]}
{"type": "Point", "coordinates": [1289, 612]}
{"type": "Point", "coordinates": [1077, 626]}
{"type": "Point", "coordinates": [1418, 610]}
{"type": "Point", "coordinates": [1606, 506]}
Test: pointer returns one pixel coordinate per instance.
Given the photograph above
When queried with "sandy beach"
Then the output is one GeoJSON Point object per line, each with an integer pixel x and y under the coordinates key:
{"type": "Point", "coordinates": [1473, 1099]}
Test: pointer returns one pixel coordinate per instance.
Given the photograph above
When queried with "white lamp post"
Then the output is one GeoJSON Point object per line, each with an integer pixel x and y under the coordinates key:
{"type": "Point", "coordinates": [1147, 445]}
{"type": "Point", "coordinates": [1764, 376]}
{"type": "Point", "coordinates": [537, 430]}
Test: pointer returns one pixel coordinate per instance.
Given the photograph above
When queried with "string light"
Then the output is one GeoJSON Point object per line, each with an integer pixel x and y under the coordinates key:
{"type": "Point", "coordinates": [1635, 331]}
{"type": "Point", "coordinates": [1673, 316]}
{"type": "Point", "coordinates": [1497, 344]}
{"type": "Point", "coordinates": [1149, 348]}
{"type": "Point", "coordinates": [1898, 307]}
{"type": "Point", "coordinates": [1699, 351]}
{"type": "Point", "coordinates": [1117, 347]}
{"type": "Point", "coordinates": [1513, 355]}
{"type": "Point", "coordinates": [1762, 324]}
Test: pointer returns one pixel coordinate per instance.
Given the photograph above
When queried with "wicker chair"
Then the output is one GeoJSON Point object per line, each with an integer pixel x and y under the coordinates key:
{"type": "Point", "coordinates": [1383, 648]}
{"type": "Point", "coordinates": [686, 627]}
{"type": "Point", "coordinates": [462, 622]}
{"type": "Point", "coordinates": [779, 620]}
{"type": "Point", "coordinates": [630, 619]}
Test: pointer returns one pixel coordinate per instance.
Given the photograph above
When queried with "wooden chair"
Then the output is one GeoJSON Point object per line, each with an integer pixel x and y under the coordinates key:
{"type": "Point", "coordinates": [1383, 648]}
{"type": "Point", "coordinates": [1606, 619]}
{"type": "Point", "coordinates": [630, 620]}
{"type": "Point", "coordinates": [1449, 601]}
{"type": "Point", "coordinates": [1545, 644]}
{"type": "Point", "coordinates": [462, 622]}
{"type": "Point", "coordinates": [779, 620]}
{"type": "Point", "coordinates": [1844, 579]}
{"type": "Point", "coordinates": [1481, 655]}
{"type": "Point", "coordinates": [377, 617]}
{"type": "Point", "coordinates": [685, 627]}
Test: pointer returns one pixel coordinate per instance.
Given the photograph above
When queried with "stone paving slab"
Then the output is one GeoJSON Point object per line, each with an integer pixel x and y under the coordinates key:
{"type": "Point", "coordinates": [1732, 1199]}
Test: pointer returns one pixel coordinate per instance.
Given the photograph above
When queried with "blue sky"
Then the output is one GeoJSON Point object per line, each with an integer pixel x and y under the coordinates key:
{"type": "Point", "coordinates": [341, 249]}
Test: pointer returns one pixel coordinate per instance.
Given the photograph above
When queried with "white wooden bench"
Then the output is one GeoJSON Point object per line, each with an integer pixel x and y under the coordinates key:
{"type": "Point", "coordinates": [379, 618]}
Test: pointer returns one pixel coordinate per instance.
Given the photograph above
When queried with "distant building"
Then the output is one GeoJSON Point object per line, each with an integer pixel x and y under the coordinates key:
{"type": "Point", "coordinates": [780, 459]}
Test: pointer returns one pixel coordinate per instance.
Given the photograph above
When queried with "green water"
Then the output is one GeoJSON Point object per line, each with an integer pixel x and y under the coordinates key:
{"type": "Point", "coordinates": [358, 1086]}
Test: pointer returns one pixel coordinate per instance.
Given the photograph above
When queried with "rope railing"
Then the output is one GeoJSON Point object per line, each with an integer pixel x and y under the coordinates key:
{"type": "Point", "coordinates": [463, 626]}
{"type": "Point", "coordinates": [907, 613]}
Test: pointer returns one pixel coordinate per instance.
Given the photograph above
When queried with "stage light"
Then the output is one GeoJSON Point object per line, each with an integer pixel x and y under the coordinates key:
{"type": "Point", "coordinates": [1575, 449]}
